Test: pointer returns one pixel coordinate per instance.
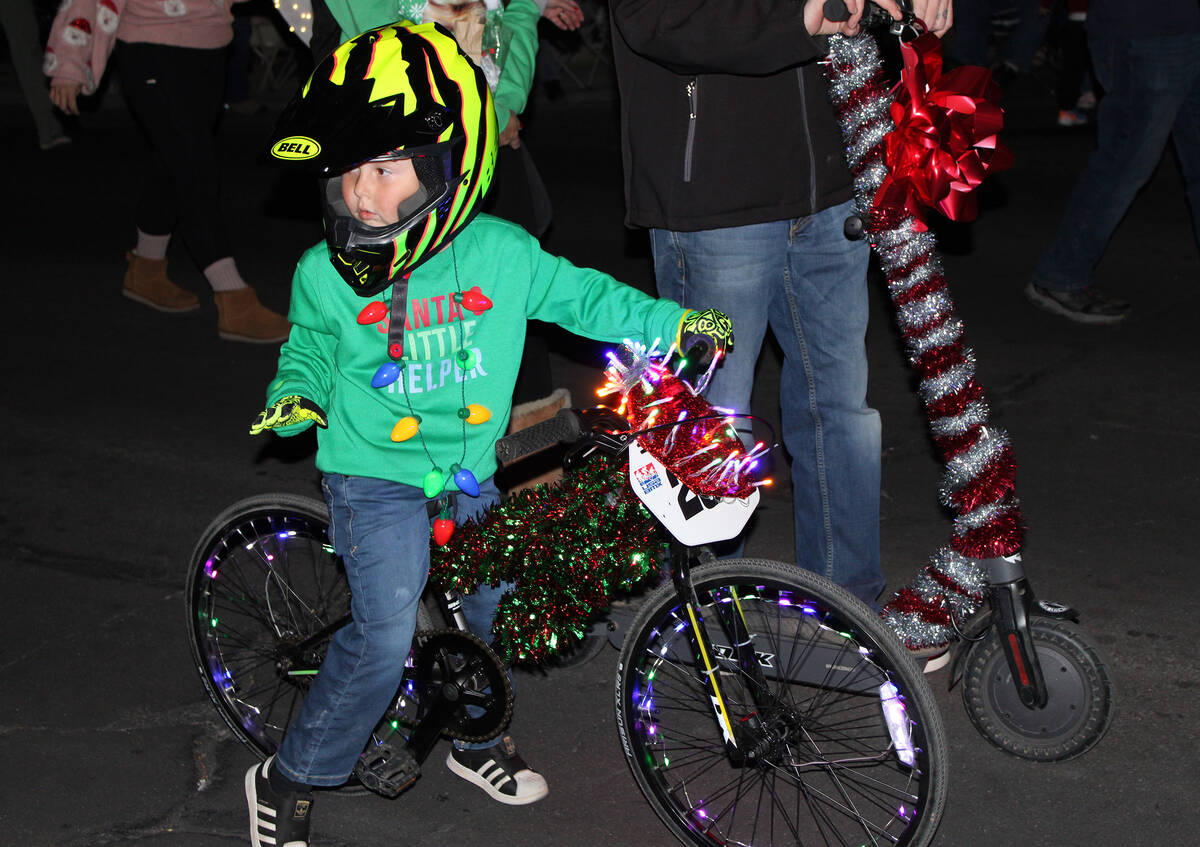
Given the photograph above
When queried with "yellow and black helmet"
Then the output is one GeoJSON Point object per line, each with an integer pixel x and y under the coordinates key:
{"type": "Point", "coordinates": [399, 91]}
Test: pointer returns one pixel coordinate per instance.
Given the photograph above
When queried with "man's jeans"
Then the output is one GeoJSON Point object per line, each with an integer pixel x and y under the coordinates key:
{"type": "Point", "coordinates": [808, 283]}
{"type": "Point", "coordinates": [1152, 92]}
{"type": "Point", "coordinates": [381, 531]}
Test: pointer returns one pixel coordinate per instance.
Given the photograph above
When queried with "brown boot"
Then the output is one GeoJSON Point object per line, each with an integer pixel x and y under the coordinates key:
{"type": "Point", "coordinates": [526, 415]}
{"type": "Point", "coordinates": [240, 317]}
{"type": "Point", "coordinates": [146, 282]}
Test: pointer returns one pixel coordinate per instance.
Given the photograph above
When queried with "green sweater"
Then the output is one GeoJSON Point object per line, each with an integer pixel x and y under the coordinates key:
{"type": "Point", "coordinates": [330, 358]}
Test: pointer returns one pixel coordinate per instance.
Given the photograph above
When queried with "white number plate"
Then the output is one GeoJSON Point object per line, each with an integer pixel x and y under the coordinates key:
{"type": "Point", "coordinates": [691, 518]}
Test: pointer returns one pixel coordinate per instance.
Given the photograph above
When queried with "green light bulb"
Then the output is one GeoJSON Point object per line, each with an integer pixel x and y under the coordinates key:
{"type": "Point", "coordinates": [434, 482]}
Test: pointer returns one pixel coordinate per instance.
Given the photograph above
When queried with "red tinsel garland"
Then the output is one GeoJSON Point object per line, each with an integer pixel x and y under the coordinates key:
{"type": "Point", "coordinates": [929, 146]}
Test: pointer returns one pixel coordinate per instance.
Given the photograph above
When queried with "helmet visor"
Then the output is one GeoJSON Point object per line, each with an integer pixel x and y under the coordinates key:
{"type": "Point", "coordinates": [345, 232]}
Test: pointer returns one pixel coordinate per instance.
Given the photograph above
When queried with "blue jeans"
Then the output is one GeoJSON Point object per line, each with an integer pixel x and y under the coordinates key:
{"type": "Point", "coordinates": [808, 283]}
{"type": "Point", "coordinates": [381, 531]}
{"type": "Point", "coordinates": [1152, 93]}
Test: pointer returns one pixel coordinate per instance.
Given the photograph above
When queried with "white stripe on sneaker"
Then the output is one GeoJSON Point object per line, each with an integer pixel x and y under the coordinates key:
{"type": "Point", "coordinates": [498, 776]}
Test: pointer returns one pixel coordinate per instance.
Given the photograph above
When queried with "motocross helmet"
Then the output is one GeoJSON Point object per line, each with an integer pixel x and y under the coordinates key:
{"type": "Point", "coordinates": [398, 91]}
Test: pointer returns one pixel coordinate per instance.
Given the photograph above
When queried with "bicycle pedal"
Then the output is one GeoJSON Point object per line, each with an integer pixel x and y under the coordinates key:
{"type": "Point", "coordinates": [387, 770]}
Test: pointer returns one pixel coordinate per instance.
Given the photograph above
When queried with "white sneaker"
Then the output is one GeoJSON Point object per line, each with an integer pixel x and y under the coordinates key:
{"type": "Point", "coordinates": [500, 772]}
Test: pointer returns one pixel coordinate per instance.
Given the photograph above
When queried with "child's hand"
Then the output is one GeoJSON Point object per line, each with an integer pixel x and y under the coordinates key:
{"type": "Point", "coordinates": [710, 327]}
{"type": "Point", "coordinates": [65, 96]}
{"type": "Point", "coordinates": [511, 134]}
{"type": "Point", "coordinates": [293, 409]}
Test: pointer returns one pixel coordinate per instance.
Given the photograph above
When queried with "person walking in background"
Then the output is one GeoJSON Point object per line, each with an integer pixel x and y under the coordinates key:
{"type": "Point", "coordinates": [733, 158]}
{"type": "Point", "coordinates": [969, 43]}
{"type": "Point", "coordinates": [171, 61]}
{"type": "Point", "coordinates": [1069, 23]}
{"type": "Point", "coordinates": [24, 48]}
{"type": "Point", "coordinates": [1148, 65]}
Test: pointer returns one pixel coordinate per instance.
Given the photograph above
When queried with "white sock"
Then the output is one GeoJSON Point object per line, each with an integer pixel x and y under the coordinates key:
{"type": "Point", "coordinates": [223, 275]}
{"type": "Point", "coordinates": [152, 246]}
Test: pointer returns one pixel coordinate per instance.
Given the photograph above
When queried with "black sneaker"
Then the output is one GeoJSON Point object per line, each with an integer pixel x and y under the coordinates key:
{"type": "Point", "coordinates": [276, 820]}
{"type": "Point", "coordinates": [500, 772]}
{"type": "Point", "coordinates": [1084, 305]}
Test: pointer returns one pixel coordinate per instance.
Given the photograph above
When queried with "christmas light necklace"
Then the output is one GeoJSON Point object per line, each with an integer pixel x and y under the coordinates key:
{"type": "Point", "coordinates": [392, 320]}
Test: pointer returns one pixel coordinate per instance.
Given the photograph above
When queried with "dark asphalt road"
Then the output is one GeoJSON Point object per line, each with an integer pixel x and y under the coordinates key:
{"type": "Point", "coordinates": [126, 433]}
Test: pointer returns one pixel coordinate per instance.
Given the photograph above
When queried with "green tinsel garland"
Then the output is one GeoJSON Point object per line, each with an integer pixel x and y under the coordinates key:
{"type": "Point", "coordinates": [567, 548]}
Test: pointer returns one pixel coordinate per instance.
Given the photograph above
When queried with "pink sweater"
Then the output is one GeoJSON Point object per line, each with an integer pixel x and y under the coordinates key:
{"type": "Point", "coordinates": [83, 32]}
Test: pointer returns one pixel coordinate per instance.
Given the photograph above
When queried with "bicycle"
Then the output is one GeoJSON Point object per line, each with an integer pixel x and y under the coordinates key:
{"type": "Point", "coordinates": [755, 702]}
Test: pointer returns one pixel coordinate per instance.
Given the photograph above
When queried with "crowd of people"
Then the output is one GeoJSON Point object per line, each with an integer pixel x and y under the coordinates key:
{"type": "Point", "coordinates": [733, 163]}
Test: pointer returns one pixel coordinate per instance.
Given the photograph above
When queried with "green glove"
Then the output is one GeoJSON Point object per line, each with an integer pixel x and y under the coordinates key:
{"type": "Point", "coordinates": [293, 409]}
{"type": "Point", "coordinates": [710, 327]}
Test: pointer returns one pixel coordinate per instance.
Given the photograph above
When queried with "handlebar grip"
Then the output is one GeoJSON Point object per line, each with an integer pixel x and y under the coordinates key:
{"type": "Point", "coordinates": [561, 428]}
{"type": "Point", "coordinates": [835, 10]}
{"type": "Point", "coordinates": [874, 16]}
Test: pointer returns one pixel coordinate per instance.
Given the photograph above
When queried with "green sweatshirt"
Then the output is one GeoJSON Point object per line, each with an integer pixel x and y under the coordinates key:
{"type": "Point", "coordinates": [518, 21]}
{"type": "Point", "coordinates": [330, 358]}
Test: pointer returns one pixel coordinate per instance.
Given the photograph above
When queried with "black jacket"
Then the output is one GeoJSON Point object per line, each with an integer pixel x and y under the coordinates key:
{"type": "Point", "coordinates": [725, 116]}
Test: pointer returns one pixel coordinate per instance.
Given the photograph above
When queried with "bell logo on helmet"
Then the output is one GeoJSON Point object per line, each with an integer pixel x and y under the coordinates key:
{"type": "Point", "coordinates": [296, 147]}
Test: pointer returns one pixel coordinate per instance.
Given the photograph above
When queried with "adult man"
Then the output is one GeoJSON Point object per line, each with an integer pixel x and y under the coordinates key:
{"type": "Point", "coordinates": [733, 159]}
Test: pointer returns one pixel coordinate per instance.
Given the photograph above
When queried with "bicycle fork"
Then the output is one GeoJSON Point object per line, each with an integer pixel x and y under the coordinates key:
{"type": "Point", "coordinates": [734, 624]}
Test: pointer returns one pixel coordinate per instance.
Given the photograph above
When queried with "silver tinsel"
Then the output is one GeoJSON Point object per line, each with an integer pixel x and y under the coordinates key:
{"type": "Point", "coordinates": [975, 413]}
{"type": "Point", "coordinates": [968, 464]}
{"type": "Point", "coordinates": [944, 334]}
{"type": "Point", "coordinates": [921, 312]}
{"type": "Point", "coordinates": [983, 515]}
{"type": "Point", "coordinates": [951, 584]}
{"type": "Point", "coordinates": [950, 381]}
{"type": "Point", "coordinates": [920, 274]}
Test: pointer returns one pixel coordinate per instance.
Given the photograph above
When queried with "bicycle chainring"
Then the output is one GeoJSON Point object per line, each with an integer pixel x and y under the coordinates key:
{"type": "Point", "coordinates": [459, 666]}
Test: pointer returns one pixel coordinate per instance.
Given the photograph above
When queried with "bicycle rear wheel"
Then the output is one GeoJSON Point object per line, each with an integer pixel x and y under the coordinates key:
{"type": "Point", "coordinates": [262, 580]}
{"type": "Point", "coordinates": [844, 740]}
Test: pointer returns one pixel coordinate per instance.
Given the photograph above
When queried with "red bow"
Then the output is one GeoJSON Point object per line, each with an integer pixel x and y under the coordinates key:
{"type": "Point", "coordinates": [945, 141]}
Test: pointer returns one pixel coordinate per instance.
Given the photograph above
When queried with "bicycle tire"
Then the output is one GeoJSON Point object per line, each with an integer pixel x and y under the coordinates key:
{"type": "Point", "coordinates": [243, 609]}
{"type": "Point", "coordinates": [236, 647]}
{"type": "Point", "coordinates": [827, 771]}
{"type": "Point", "coordinates": [1079, 708]}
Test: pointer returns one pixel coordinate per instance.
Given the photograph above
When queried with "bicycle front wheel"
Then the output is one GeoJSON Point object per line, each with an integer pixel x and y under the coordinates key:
{"type": "Point", "coordinates": [838, 738]}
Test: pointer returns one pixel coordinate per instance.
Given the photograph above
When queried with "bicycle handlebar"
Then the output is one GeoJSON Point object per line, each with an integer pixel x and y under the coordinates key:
{"type": "Point", "coordinates": [874, 16]}
{"type": "Point", "coordinates": [559, 429]}
{"type": "Point", "coordinates": [602, 426]}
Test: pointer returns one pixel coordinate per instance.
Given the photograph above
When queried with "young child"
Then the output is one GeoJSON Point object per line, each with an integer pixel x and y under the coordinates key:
{"type": "Point", "coordinates": [407, 329]}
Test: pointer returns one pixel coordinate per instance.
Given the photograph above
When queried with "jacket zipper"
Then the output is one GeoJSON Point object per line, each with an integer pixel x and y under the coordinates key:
{"type": "Point", "coordinates": [691, 133]}
{"type": "Point", "coordinates": [812, 156]}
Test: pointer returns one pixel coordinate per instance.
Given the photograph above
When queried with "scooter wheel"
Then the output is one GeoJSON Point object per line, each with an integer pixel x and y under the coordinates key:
{"type": "Point", "coordinates": [1079, 706]}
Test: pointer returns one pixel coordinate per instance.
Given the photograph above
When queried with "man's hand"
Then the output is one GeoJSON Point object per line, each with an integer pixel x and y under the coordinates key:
{"type": "Point", "coordinates": [65, 95]}
{"type": "Point", "coordinates": [938, 15]}
{"type": "Point", "coordinates": [564, 14]}
{"type": "Point", "coordinates": [293, 409]}
{"type": "Point", "coordinates": [712, 328]}
{"type": "Point", "coordinates": [817, 24]}
{"type": "Point", "coordinates": [511, 134]}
